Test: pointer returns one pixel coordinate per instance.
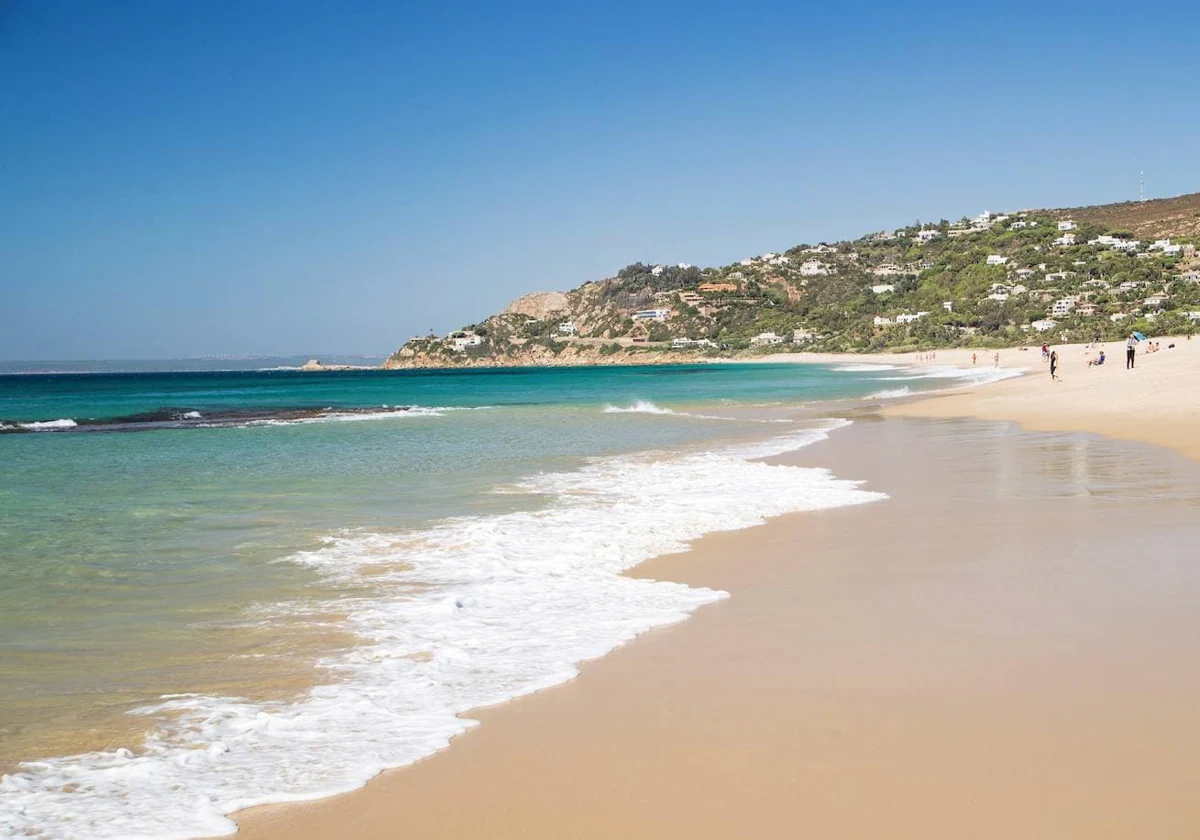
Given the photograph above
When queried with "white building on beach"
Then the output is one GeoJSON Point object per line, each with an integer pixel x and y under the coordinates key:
{"type": "Point", "coordinates": [766, 339]}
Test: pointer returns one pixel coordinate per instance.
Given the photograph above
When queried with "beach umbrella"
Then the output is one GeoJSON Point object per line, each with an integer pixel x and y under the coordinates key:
{"type": "Point", "coordinates": [1139, 336]}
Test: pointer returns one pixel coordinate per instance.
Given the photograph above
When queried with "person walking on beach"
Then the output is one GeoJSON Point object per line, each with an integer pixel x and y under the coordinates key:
{"type": "Point", "coordinates": [1130, 351]}
{"type": "Point", "coordinates": [974, 358]}
{"type": "Point", "coordinates": [997, 359]}
{"type": "Point", "coordinates": [1053, 366]}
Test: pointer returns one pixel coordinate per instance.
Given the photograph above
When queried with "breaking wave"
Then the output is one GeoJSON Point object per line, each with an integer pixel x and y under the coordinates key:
{"type": "Point", "coordinates": [467, 613]}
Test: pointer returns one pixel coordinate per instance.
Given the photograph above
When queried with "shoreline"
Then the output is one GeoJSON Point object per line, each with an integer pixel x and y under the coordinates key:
{"type": "Point", "coordinates": [647, 742]}
{"type": "Point", "coordinates": [1005, 401]}
{"type": "Point", "coordinates": [1015, 404]}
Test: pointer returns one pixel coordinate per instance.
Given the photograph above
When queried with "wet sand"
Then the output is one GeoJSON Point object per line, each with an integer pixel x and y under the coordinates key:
{"type": "Point", "coordinates": [1007, 647]}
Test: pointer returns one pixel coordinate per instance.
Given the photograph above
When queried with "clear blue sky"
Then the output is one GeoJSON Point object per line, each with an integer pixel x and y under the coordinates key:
{"type": "Point", "coordinates": [237, 176]}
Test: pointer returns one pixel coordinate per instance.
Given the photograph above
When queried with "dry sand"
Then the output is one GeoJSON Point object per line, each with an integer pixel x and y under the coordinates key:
{"type": "Point", "coordinates": [1007, 647]}
{"type": "Point", "coordinates": [1156, 402]}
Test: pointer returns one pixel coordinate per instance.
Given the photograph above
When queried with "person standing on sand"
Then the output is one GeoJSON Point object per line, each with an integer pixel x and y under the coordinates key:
{"type": "Point", "coordinates": [974, 358]}
{"type": "Point", "coordinates": [1130, 351]}
{"type": "Point", "coordinates": [997, 359]}
{"type": "Point", "coordinates": [1053, 366]}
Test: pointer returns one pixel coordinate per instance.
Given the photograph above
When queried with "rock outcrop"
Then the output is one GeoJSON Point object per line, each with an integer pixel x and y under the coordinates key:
{"type": "Point", "coordinates": [539, 305]}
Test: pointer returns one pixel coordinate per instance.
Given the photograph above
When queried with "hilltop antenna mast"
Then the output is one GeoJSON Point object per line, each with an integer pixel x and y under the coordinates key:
{"type": "Point", "coordinates": [1142, 186]}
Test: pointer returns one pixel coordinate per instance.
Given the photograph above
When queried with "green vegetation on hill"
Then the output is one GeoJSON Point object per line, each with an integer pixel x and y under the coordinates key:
{"type": "Point", "coordinates": [989, 282]}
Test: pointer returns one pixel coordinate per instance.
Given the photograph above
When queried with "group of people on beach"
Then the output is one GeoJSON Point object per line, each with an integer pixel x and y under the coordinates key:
{"type": "Point", "coordinates": [995, 359]}
{"type": "Point", "coordinates": [1131, 343]}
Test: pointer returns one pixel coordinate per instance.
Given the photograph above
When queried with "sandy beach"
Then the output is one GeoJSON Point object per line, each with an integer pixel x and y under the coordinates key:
{"type": "Point", "coordinates": [1156, 402]}
{"type": "Point", "coordinates": [1005, 647]}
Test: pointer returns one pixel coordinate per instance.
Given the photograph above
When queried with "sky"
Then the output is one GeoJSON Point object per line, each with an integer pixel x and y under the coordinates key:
{"type": "Point", "coordinates": [182, 178]}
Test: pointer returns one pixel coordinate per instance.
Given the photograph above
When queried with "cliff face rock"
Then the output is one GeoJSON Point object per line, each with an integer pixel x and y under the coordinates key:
{"type": "Point", "coordinates": [539, 305]}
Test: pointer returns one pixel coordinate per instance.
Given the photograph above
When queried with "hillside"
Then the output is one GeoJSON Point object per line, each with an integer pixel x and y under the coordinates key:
{"type": "Point", "coordinates": [1154, 219]}
{"type": "Point", "coordinates": [995, 280]}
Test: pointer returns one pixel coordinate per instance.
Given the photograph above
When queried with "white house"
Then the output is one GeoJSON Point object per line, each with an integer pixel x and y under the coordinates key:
{"type": "Point", "coordinates": [996, 259]}
{"type": "Point", "coordinates": [687, 343]}
{"type": "Point", "coordinates": [1088, 310]}
{"type": "Point", "coordinates": [924, 236]}
{"type": "Point", "coordinates": [880, 321]}
{"type": "Point", "coordinates": [652, 315]}
{"type": "Point", "coordinates": [1156, 299]}
{"type": "Point", "coordinates": [1190, 277]}
{"type": "Point", "coordinates": [813, 268]}
{"type": "Point", "coordinates": [1106, 241]}
{"type": "Point", "coordinates": [1067, 224]}
{"type": "Point", "coordinates": [909, 317]}
{"type": "Point", "coordinates": [883, 288]}
{"type": "Point", "coordinates": [1166, 247]}
{"type": "Point", "coordinates": [1044, 325]}
{"type": "Point", "coordinates": [1117, 316]}
{"type": "Point", "coordinates": [765, 339]}
{"type": "Point", "coordinates": [1020, 224]}
{"type": "Point", "coordinates": [1193, 315]}
{"type": "Point", "coordinates": [984, 220]}
{"type": "Point", "coordinates": [1063, 307]}
{"type": "Point", "coordinates": [657, 270]}
{"type": "Point", "coordinates": [1130, 285]}
{"type": "Point", "coordinates": [567, 328]}
{"type": "Point", "coordinates": [948, 305]}
{"type": "Point", "coordinates": [461, 341]}
{"type": "Point", "coordinates": [999, 296]}
{"type": "Point", "coordinates": [1065, 240]}
{"type": "Point", "coordinates": [800, 336]}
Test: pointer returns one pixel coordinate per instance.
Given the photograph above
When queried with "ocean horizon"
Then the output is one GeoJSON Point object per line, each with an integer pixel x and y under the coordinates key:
{"type": "Point", "coordinates": [184, 364]}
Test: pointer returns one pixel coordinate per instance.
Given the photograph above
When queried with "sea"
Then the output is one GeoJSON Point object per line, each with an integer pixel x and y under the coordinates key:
{"type": "Point", "coordinates": [221, 588]}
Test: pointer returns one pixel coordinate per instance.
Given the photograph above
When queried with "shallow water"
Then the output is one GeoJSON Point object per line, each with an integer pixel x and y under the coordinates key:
{"type": "Point", "coordinates": [221, 607]}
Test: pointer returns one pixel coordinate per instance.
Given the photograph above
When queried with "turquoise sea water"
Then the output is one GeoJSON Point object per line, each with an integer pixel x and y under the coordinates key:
{"type": "Point", "coordinates": [236, 536]}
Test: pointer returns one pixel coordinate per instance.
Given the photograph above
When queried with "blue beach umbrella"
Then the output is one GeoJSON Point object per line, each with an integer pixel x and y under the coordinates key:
{"type": "Point", "coordinates": [1139, 336]}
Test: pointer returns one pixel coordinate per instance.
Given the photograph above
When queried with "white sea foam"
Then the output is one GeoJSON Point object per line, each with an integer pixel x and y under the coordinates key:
{"type": "Point", "coordinates": [47, 425]}
{"type": "Point", "coordinates": [967, 376]}
{"type": "Point", "coordinates": [467, 613]}
{"type": "Point", "coordinates": [889, 394]}
{"type": "Point", "coordinates": [863, 368]}
{"type": "Point", "coordinates": [646, 407]}
{"type": "Point", "coordinates": [190, 415]}
{"type": "Point", "coordinates": [638, 407]}
{"type": "Point", "coordinates": [335, 416]}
